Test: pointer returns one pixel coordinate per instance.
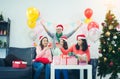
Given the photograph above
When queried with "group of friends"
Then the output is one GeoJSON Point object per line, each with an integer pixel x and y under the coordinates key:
{"type": "Point", "coordinates": [60, 46]}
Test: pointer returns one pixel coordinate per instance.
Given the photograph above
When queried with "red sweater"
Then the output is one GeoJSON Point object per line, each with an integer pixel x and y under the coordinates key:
{"type": "Point", "coordinates": [73, 49]}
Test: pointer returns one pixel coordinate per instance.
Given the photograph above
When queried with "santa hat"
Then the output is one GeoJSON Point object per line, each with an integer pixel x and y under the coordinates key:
{"type": "Point", "coordinates": [41, 37]}
{"type": "Point", "coordinates": [81, 36]}
{"type": "Point", "coordinates": [64, 38]}
{"type": "Point", "coordinates": [60, 26]}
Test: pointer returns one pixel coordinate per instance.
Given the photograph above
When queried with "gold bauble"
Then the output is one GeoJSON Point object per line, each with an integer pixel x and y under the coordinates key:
{"type": "Point", "coordinates": [110, 27]}
{"type": "Point", "coordinates": [113, 51]}
{"type": "Point", "coordinates": [105, 59]}
{"type": "Point", "coordinates": [107, 34]}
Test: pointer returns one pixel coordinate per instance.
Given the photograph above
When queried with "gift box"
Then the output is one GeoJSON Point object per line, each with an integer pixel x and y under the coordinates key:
{"type": "Point", "coordinates": [82, 62]}
{"type": "Point", "coordinates": [72, 60]}
{"type": "Point", "coordinates": [56, 60]}
{"type": "Point", "coordinates": [19, 64]}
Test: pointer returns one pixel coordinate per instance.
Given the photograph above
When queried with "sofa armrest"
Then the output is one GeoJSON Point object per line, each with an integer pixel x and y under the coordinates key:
{"type": "Point", "coordinates": [2, 63]}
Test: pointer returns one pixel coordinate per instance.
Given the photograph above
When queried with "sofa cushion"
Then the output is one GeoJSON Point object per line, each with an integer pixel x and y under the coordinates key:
{"type": "Point", "coordinates": [9, 58]}
{"type": "Point", "coordinates": [26, 54]}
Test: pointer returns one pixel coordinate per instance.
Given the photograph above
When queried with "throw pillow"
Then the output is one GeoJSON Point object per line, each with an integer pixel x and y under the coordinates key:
{"type": "Point", "coordinates": [42, 60]}
{"type": "Point", "coordinates": [9, 58]}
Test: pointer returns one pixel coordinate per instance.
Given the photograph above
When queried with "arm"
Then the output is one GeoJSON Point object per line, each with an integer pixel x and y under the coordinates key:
{"type": "Point", "coordinates": [40, 52]}
{"type": "Point", "coordinates": [48, 32]}
{"type": "Point", "coordinates": [71, 33]}
{"type": "Point", "coordinates": [88, 54]}
{"type": "Point", "coordinates": [65, 52]}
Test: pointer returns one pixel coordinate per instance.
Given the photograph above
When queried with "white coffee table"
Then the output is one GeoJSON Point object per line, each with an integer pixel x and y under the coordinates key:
{"type": "Point", "coordinates": [80, 67]}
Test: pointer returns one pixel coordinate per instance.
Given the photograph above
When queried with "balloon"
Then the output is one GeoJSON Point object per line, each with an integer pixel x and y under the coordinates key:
{"type": "Point", "coordinates": [87, 21]}
{"type": "Point", "coordinates": [32, 35]}
{"type": "Point", "coordinates": [31, 24]}
{"type": "Point", "coordinates": [92, 25]}
{"type": "Point", "coordinates": [32, 13]}
{"type": "Point", "coordinates": [118, 27]}
{"type": "Point", "coordinates": [88, 13]}
{"type": "Point", "coordinates": [94, 34]}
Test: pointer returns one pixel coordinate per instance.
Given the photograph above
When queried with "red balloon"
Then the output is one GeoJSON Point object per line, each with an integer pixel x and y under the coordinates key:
{"type": "Point", "coordinates": [92, 25]}
{"type": "Point", "coordinates": [88, 13]}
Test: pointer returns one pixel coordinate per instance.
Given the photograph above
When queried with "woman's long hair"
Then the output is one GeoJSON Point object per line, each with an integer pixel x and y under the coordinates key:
{"type": "Point", "coordinates": [84, 45]}
{"type": "Point", "coordinates": [41, 45]}
{"type": "Point", "coordinates": [65, 45]}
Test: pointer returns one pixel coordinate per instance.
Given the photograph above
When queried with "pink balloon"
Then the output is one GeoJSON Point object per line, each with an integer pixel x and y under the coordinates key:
{"type": "Point", "coordinates": [92, 25]}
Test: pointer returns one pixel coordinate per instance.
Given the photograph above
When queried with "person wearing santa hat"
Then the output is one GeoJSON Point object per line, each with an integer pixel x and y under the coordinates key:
{"type": "Point", "coordinates": [59, 32]}
{"type": "Point", "coordinates": [58, 52]}
{"type": "Point", "coordinates": [42, 51]}
{"type": "Point", "coordinates": [80, 49]}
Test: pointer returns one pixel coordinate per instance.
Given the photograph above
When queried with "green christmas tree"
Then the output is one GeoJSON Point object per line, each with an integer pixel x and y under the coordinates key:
{"type": "Point", "coordinates": [109, 62]}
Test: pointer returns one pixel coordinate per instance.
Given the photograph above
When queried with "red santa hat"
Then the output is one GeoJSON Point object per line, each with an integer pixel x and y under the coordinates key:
{"type": "Point", "coordinates": [41, 37]}
{"type": "Point", "coordinates": [81, 36]}
{"type": "Point", "coordinates": [64, 38]}
{"type": "Point", "coordinates": [60, 26]}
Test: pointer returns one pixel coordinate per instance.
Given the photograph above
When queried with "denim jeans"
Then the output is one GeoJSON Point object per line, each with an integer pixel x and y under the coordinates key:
{"type": "Point", "coordinates": [38, 66]}
{"type": "Point", "coordinates": [94, 63]}
{"type": "Point", "coordinates": [64, 71]}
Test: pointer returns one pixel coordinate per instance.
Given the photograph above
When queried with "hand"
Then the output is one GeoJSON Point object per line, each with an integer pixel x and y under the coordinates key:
{"type": "Point", "coordinates": [49, 45]}
{"type": "Point", "coordinates": [58, 45]}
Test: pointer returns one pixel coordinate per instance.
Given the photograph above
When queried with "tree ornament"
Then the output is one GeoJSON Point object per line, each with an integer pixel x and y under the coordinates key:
{"type": "Point", "coordinates": [119, 49]}
{"type": "Point", "coordinates": [107, 34]}
{"type": "Point", "coordinates": [104, 50]}
{"type": "Point", "coordinates": [110, 27]}
{"type": "Point", "coordinates": [118, 27]}
{"type": "Point", "coordinates": [108, 39]}
{"type": "Point", "coordinates": [114, 37]}
{"type": "Point", "coordinates": [113, 42]}
{"type": "Point", "coordinates": [110, 17]}
{"type": "Point", "coordinates": [105, 59]}
{"type": "Point", "coordinates": [111, 63]}
{"type": "Point", "coordinates": [113, 51]}
{"type": "Point", "coordinates": [110, 48]}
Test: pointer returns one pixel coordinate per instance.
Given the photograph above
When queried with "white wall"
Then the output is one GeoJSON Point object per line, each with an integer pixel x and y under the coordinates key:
{"type": "Point", "coordinates": [56, 11]}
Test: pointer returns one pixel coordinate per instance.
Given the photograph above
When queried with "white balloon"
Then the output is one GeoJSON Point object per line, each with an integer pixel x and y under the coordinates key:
{"type": "Point", "coordinates": [94, 34]}
{"type": "Point", "coordinates": [32, 35]}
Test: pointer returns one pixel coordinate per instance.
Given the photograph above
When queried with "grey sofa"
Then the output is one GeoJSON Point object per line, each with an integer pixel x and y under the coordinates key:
{"type": "Point", "coordinates": [26, 54]}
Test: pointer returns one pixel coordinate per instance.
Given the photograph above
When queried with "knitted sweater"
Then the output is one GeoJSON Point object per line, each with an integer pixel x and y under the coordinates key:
{"type": "Point", "coordinates": [77, 52]}
{"type": "Point", "coordinates": [46, 53]}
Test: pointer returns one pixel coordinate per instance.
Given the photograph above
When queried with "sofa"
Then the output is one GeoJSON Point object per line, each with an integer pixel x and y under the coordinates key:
{"type": "Point", "coordinates": [26, 54]}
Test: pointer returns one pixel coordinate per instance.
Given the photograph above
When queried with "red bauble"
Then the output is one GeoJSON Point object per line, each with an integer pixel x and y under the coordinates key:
{"type": "Point", "coordinates": [111, 63]}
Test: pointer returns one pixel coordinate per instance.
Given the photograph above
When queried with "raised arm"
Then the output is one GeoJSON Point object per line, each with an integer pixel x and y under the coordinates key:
{"type": "Point", "coordinates": [48, 32]}
{"type": "Point", "coordinates": [71, 33]}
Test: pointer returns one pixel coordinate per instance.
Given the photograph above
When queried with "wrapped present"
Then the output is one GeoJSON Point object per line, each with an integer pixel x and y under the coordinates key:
{"type": "Point", "coordinates": [19, 64]}
{"type": "Point", "coordinates": [72, 60]}
{"type": "Point", "coordinates": [83, 62]}
{"type": "Point", "coordinates": [63, 59]}
{"type": "Point", "coordinates": [56, 60]}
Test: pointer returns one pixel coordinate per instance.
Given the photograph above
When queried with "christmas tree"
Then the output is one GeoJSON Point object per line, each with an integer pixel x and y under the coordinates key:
{"type": "Point", "coordinates": [109, 62]}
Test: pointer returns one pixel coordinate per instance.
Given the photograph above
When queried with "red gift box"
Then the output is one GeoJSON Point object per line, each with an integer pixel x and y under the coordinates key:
{"type": "Point", "coordinates": [19, 64]}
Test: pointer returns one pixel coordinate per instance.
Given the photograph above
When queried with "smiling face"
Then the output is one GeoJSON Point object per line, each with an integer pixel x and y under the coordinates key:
{"type": "Point", "coordinates": [79, 41]}
{"type": "Point", "coordinates": [59, 30]}
{"type": "Point", "coordinates": [45, 42]}
{"type": "Point", "coordinates": [61, 42]}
